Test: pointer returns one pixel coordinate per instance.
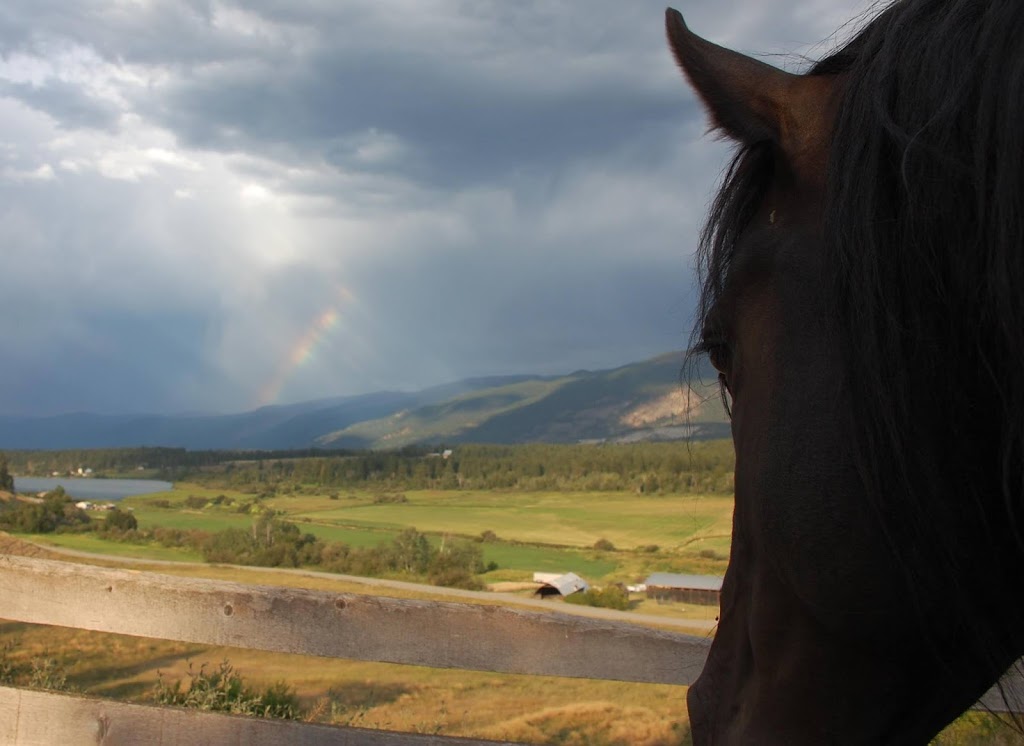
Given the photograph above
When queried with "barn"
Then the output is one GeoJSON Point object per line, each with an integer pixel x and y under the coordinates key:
{"type": "Point", "coordinates": [561, 585]}
{"type": "Point", "coordinates": [689, 589]}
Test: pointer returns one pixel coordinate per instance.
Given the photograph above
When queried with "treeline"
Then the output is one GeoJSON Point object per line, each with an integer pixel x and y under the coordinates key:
{"type": "Point", "coordinates": [643, 468]}
{"type": "Point", "coordinates": [674, 467]}
{"type": "Point", "coordinates": [124, 461]}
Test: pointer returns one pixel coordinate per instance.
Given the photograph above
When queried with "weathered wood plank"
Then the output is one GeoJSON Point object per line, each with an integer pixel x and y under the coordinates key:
{"type": "Point", "coordinates": [1008, 695]}
{"type": "Point", "coordinates": [30, 718]}
{"type": "Point", "coordinates": [358, 627]}
{"type": "Point", "coordinates": [427, 633]}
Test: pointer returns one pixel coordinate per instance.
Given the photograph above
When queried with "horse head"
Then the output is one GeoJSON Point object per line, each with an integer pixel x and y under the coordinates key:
{"type": "Point", "coordinates": [847, 270]}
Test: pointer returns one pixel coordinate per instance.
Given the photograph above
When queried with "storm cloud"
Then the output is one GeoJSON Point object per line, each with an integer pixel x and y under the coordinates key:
{"type": "Point", "coordinates": [209, 206]}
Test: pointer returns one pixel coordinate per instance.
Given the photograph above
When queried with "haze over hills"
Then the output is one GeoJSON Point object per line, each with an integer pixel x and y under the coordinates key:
{"type": "Point", "coordinates": [640, 401]}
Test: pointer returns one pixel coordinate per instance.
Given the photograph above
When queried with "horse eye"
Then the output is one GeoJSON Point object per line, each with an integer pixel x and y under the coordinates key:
{"type": "Point", "coordinates": [720, 356]}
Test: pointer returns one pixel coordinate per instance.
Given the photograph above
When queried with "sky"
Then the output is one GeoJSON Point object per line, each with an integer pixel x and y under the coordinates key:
{"type": "Point", "coordinates": [216, 206]}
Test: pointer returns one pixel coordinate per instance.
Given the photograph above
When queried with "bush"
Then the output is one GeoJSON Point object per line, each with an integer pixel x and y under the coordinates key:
{"type": "Point", "coordinates": [119, 521]}
{"type": "Point", "coordinates": [56, 512]}
{"type": "Point", "coordinates": [612, 597]}
{"type": "Point", "coordinates": [388, 499]}
{"type": "Point", "coordinates": [224, 690]}
{"type": "Point", "coordinates": [604, 545]}
{"type": "Point", "coordinates": [196, 502]}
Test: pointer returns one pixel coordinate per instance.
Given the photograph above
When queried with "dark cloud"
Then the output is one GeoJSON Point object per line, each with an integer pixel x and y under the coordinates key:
{"type": "Point", "coordinates": [456, 116]}
{"type": "Point", "coordinates": [188, 189]}
{"type": "Point", "coordinates": [68, 104]}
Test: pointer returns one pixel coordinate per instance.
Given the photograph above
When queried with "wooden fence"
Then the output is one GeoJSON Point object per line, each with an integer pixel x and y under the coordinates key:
{"type": "Point", "coordinates": [336, 625]}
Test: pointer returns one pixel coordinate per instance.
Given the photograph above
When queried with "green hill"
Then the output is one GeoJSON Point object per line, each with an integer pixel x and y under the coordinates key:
{"type": "Point", "coordinates": [641, 401]}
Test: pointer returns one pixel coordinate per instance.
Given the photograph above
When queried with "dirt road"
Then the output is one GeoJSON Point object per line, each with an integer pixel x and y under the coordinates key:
{"type": "Point", "coordinates": [692, 625]}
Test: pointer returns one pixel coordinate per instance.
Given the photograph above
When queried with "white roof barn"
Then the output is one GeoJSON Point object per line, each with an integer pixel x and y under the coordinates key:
{"type": "Point", "coordinates": [563, 585]}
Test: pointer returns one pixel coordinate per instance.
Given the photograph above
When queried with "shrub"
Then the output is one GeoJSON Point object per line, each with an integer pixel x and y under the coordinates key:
{"type": "Point", "coordinates": [387, 499]}
{"type": "Point", "coordinates": [56, 512]}
{"type": "Point", "coordinates": [119, 521]}
{"type": "Point", "coordinates": [604, 545]}
{"type": "Point", "coordinates": [612, 597]}
{"type": "Point", "coordinates": [224, 690]}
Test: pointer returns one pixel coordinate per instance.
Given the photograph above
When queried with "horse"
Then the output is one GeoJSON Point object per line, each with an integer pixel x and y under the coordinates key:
{"type": "Point", "coordinates": [862, 299]}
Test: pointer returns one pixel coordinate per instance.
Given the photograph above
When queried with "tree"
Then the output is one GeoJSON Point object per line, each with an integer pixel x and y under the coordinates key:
{"type": "Point", "coordinates": [120, 521]}
{"type": "Point", "coordinates": [6, 480]}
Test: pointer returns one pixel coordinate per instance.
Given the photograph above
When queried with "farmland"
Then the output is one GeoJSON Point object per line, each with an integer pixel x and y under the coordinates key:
{"type": "Point", "coordinates": [606, 535]}
{"type": "Point", "coordinates": [531, 531]}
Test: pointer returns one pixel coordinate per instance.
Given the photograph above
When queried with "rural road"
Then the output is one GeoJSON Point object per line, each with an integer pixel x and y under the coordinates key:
{"type": "Point", "coordinates": [454, 593]}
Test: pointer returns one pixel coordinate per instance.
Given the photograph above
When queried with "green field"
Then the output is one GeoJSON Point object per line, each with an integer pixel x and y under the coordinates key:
{"type": "Point", "coordinates": [537, 531]}
{"type": "Point", "coordinates": [96, 545]}
{"type": "Point", "coordinates": [556, 518]}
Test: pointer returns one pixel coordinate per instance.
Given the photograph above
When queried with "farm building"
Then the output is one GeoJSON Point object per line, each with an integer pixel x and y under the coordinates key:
{"type": "Point", "coordinates": [562, 585]}
{"type": "Point", "coordinates": [690, 589]}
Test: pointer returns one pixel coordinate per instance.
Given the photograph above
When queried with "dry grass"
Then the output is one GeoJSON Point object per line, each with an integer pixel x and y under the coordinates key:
{"type": "Point", "coordinates": [373, 695]}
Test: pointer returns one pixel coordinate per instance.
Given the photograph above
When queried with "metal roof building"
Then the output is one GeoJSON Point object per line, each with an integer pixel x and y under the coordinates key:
{"type": "Point", "coordinates": [563, 585]}
{"type": "Point", "coordinates": [691, 589]}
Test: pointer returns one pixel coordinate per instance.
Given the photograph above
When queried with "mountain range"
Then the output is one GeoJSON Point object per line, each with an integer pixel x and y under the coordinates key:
{"type": "Point", "coordinates": [640, 401]}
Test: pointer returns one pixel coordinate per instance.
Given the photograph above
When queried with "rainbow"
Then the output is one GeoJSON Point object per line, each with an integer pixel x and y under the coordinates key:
{"type": "Point", "coordinates": [301, 353]}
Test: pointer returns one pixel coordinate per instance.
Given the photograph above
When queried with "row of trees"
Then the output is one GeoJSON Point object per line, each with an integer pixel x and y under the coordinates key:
{"type": "Point", "coordinates": [640, 467]}
{"type": "Point", "coordinates": [124, 461]}
{"type": "Point", "coordinates": [667, 468]}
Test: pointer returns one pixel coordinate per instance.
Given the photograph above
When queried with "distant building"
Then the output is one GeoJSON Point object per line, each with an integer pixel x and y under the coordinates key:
{"type": "Point", "coordinates": [561, 585]}
{"type": "Point", "coordinates": [546, 577]}
{"type": "Point", "coordinates": [689, 589]}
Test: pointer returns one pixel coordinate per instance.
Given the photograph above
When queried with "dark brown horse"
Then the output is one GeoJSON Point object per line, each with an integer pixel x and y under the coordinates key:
{"type": "Point", "coordinates": [863, 300]}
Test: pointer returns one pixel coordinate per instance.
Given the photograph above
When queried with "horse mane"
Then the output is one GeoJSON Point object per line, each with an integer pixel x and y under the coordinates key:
{"type": "Point", "coordinates": [924, 235]}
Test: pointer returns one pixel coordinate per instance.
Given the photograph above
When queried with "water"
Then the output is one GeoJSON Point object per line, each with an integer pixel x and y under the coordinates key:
{"type": "Point", "coordinates": [91, 489]}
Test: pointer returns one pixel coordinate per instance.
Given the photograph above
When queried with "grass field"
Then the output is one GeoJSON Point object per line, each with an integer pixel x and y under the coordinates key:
{"type": "Point", "coordinates": [540, 531]}
{"type": "Point", "coordinates": [89, 543]}
{"type": "Point", "coordinates": [557, 518]}
{"type": "Point", "coordinates": [529, 709]}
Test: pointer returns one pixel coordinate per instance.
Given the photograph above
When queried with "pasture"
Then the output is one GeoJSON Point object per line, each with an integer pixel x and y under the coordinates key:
{"type": "Point", "coordinates": [536, 531]}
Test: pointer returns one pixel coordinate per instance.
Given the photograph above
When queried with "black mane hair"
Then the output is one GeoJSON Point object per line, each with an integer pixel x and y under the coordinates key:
{"type": "Point", "coordinates": [924, 235]}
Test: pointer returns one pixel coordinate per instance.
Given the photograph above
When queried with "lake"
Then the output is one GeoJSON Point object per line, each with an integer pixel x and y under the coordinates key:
{"type": "Point", "coordinates": [91, 489]}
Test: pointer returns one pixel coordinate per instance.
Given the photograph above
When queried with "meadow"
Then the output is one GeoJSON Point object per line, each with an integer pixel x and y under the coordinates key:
{"type": "Point", "coordinates": [532, 531]}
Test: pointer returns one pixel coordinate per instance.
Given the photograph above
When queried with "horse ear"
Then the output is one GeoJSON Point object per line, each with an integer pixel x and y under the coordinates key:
{"type": "Point", "coordinates": [745, 98]}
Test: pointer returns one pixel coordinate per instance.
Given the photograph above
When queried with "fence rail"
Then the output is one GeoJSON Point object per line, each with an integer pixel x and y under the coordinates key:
{"type": "Point", "coordinates": [319, 623]}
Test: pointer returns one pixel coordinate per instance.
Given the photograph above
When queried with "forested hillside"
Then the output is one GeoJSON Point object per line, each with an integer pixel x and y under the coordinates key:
{"type": "Point", "coordinates": [640, 401]}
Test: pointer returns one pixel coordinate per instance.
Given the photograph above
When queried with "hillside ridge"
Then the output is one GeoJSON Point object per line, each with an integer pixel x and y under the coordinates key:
{"type": "Point", "coordinates": [639, 401]}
